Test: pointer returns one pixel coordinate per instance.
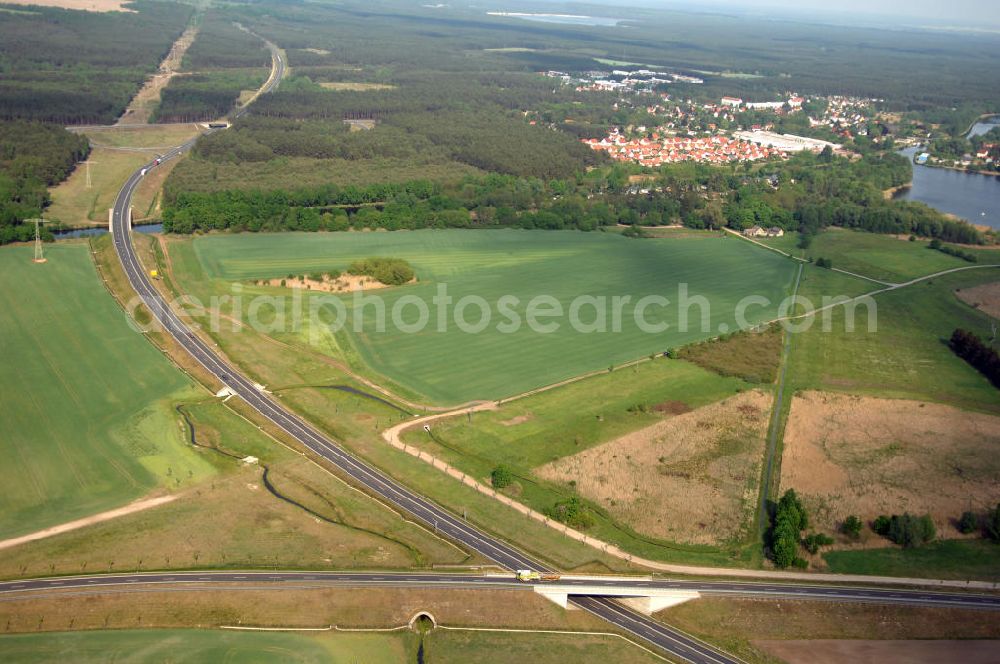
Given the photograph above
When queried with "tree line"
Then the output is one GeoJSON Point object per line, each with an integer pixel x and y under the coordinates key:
{"type": "Point", "coordinates": [494, 200]}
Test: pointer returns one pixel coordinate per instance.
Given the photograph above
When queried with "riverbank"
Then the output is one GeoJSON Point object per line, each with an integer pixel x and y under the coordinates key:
{"type": "Point", "coordinates": [892, 192]}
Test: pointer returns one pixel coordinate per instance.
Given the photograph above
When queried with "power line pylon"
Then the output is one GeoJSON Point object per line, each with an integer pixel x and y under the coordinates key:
{"type": "Point", "coordinates": [39, 255]}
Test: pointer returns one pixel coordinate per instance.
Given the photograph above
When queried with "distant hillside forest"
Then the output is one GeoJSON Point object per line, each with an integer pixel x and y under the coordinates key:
{"type": "Point", "coordinates": [76, 67]}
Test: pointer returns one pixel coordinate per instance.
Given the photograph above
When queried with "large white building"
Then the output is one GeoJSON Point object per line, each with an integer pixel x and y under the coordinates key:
{"type": "Point", "coordinates": [785, 142]}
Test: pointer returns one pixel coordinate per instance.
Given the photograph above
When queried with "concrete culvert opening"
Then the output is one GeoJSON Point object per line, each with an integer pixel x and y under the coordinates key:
{"type": "Point", "coordinates": [423, 622]}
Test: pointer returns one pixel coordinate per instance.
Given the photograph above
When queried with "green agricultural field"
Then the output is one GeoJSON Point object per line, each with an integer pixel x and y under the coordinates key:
{"type": "Point", "coordinates": [196, 645]}
{"type": "Point", "coordinates": [456, 366]}
{"type": "Point", "coordinates": [446, 647]}
{"type": "Point", "coordinates": [907, 355]}
{"type": "Point", "coordinates": [535, 430]}
{"type": "Point", "coordinates": [88, 421]}
{"type": "Point", "coordinates": [202, 645]}
{"type": "Point", "coordinates": [881, 257]}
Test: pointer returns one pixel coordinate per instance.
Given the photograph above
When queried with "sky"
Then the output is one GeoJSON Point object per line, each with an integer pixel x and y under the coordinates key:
{"type": "Point", "coordinates": [949, 13]}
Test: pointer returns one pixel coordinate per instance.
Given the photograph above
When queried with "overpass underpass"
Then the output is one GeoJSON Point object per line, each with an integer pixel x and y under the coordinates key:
{"type": "Point", "coordinates": [646, 600]}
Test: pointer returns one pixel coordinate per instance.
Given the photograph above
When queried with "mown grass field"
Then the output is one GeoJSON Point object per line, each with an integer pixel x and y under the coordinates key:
{"type": "Point", "coordinates": [456, 366]}
{"type": "Point", "coordinates": [883, 257]}
{"type": "Point", "coordinates": [945, 559]}
{"type": "Point", "coordinates": [538, 429]}
{"type": "Point", "coordinates": [907, 355]}
{"type": "Point", "coordinates": [87, 421]}
{"type": "Point", "coordinates": [202, 645]}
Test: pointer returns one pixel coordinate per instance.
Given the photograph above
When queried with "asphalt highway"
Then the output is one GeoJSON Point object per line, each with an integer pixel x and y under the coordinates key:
{"type": "Point", "coordinates": [708, 588]}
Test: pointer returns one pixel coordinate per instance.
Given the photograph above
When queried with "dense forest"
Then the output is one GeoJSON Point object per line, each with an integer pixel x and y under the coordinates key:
{"type": "Point", "coordinates": [76, 67]}
{"type": "Point", "coordinates": [203, 96]}
{"type": "Point", "coordinates": [221, 44]}
{"type": "Point", "coordinates": [33, 156]}
{"type": "Point", "coordinates": [223, 61]}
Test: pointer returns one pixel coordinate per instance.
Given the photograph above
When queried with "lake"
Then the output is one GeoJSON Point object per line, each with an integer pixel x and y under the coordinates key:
{"type": "Point", "coordinates": [971, 196]}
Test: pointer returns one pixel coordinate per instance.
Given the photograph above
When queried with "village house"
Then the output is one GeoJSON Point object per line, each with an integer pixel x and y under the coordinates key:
{"type": "Point", "coordinates": [758, 231]}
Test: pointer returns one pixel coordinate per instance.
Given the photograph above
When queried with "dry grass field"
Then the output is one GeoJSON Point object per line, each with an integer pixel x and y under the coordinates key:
{"type": "Point", "coordinates": [293, 605]}
{"type": "Point", "coordinates": [690, 478]}
{"type": "Point", "coordinates": [75, 204]}
{"type": "Point", "coordinates": [869, 456]}
{"type": "Point", "coordinates": [985, 297]}
{"type": "Point", "coordinates": [740, 625]}
{"type": "Point", "coordinates": [234, 522]}
{"type": "Point", "coordinates": [828, 651]}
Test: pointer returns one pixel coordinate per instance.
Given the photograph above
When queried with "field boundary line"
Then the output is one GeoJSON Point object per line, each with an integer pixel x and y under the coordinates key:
{"type": "Point", "coordinates": [93, 519]}
{"type": "Point", "coordinates": [772, 434]}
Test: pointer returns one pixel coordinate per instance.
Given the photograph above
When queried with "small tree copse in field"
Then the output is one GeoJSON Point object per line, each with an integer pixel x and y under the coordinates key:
{"type": "Point", "coordinates": [968, 522]}
{"type": "Point", "coordinates": [852, 527]}
{"type": "Point", "coordinates": [881, 524]}
{"type": "Point", "coordinates": [389, 271]}
{"type": "Point", "coordinates": [813, 542]}
{"type": "Point", "coordinates": [907, 530]}
{"type": "Point", "coordinates": [501, 477]}
{"type": "Point", "coordinates": [572, 512]}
